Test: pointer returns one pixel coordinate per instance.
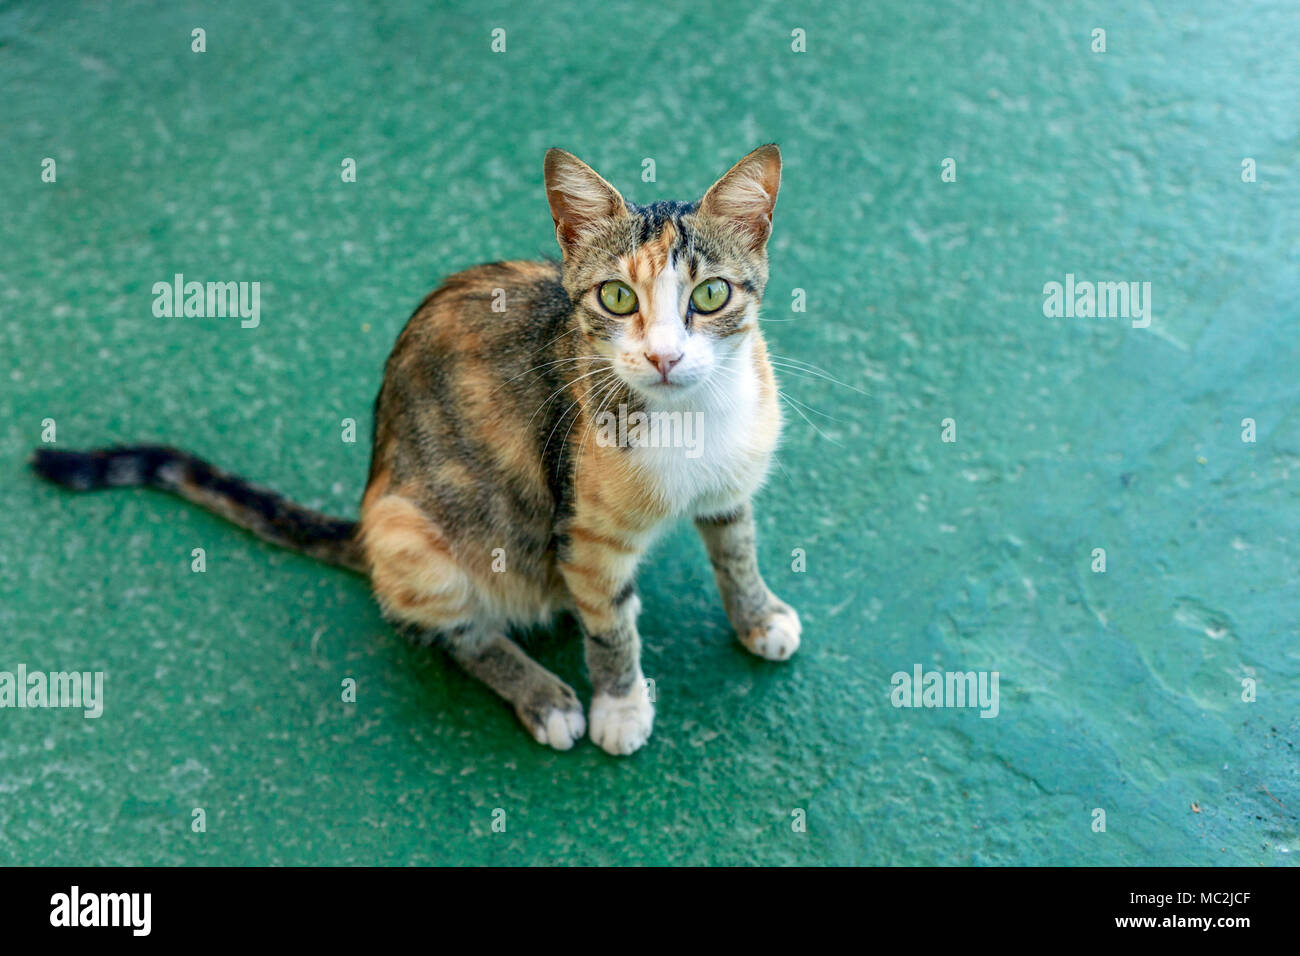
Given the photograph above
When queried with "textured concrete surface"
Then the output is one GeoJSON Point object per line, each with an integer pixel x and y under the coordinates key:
{"type": "Point", "coordinates": [1120, 691]}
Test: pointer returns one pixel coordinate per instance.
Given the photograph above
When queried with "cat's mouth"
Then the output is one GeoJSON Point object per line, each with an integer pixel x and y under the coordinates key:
{"type": "Point", "coordinates": [669, 384]}
{"type": "Point", "coordinates": [656, 381]}
{"type": "Point", "coordinates": [663, 383]}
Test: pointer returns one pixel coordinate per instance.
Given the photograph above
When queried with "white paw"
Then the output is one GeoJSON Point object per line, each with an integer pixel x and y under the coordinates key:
{"type": "Point", "coordinates": [620, 725]}
{"type": "Point", "coordinates": [559, 727]}
{"type": "Point", "coordinates": [777, 637]}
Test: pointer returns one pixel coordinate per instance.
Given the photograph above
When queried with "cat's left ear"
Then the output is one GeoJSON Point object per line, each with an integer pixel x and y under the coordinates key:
{"type": "Point", "coordinates": [747, 194]}
{"type": "Point", "coordinates": [579, 198]}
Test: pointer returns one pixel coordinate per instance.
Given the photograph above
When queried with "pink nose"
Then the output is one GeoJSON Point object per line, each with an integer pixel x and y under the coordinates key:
{"type": "Point", "coordinates": [664, 363]}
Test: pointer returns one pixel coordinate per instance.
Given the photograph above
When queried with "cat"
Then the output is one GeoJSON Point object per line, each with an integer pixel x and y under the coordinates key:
{"type": "Point", "coordinates": [491, 505]}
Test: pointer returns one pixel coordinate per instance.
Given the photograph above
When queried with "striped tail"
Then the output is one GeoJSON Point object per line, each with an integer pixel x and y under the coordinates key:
{"type": "Point", "coordinates": [268, 515]}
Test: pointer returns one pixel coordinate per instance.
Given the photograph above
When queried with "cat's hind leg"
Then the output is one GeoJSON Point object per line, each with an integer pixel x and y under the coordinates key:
{"type": "Point", "coordinates": [423, 588]}
{"type": "Point", "coordinates": [545, 705]}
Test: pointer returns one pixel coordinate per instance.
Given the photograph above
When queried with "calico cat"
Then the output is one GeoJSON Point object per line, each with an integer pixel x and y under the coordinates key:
{"type": "Point", "coordinates": [493, 503]}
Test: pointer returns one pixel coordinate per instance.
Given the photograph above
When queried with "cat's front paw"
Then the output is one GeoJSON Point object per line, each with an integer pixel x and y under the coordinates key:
{"type": "Point", "coordinates": [775, 635]}
{"type": "Point", "coordinates": [620, 725]}
{"type": "Point", "coordinates": [553, 716]}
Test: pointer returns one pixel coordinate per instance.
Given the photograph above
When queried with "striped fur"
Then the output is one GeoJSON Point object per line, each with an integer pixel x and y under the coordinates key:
{"type": "Point", "coordinates": [265, 513]}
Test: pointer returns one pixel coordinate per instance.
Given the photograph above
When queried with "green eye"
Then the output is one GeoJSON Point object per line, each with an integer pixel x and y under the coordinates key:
{"type": "Point", "coordinates": [711, 295]}
{"type": "Point", "coordinates": [617, 297]}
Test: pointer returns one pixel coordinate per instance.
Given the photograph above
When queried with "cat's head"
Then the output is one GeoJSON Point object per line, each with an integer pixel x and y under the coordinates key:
{"type": "Point", "coordinates": [668, 292]}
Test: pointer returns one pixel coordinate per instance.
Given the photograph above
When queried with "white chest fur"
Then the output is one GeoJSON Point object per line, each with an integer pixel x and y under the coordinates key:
{"type": "Point", "coordinates": [710, 449]}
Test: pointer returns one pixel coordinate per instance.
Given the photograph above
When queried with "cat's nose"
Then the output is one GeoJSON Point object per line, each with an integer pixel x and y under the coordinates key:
{"type": "Point", "coordinates": [663, 362]}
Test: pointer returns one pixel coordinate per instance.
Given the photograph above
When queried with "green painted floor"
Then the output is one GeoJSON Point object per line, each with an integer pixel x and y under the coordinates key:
{"type": "Point", "coordinates": [1120, 691]}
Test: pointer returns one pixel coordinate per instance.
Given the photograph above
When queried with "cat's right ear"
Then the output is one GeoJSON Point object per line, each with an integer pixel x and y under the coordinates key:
{"type": "Point", "coordinates": [579, 198]}
{"type": "Point", "coordinates": [746, 196]}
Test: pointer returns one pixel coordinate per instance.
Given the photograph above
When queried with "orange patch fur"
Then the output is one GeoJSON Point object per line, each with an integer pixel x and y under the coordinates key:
{"type": "Point", "coordinates": [411, 565]}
